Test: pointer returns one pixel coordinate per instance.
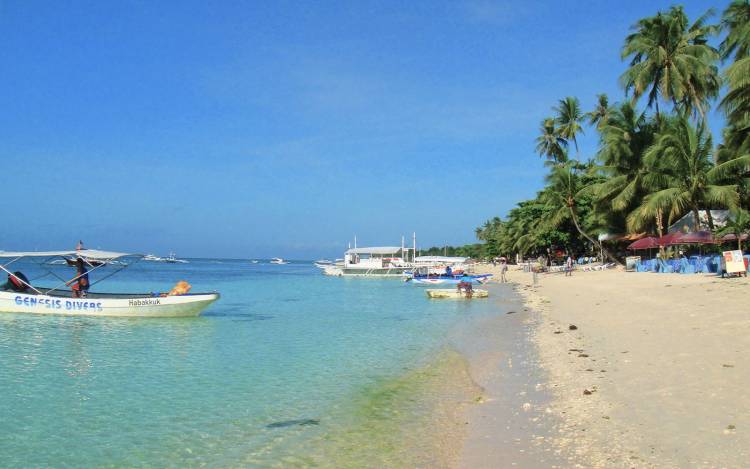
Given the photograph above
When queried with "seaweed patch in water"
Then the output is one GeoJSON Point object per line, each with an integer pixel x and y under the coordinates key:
{"type": "Point", "coordinates": [292, 423]}
{"type": "Point", "coordinates": [396, 318]}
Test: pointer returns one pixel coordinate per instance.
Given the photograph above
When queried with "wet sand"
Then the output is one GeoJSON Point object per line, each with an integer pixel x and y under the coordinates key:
{"type": "Point", "coordinates": [511, 424]}
{"type": "Point", "coordinates": [653, 373]}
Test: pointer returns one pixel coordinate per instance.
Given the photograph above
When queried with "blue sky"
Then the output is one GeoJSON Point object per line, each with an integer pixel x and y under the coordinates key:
{"type": "Point", "coordinates": [257, 129]}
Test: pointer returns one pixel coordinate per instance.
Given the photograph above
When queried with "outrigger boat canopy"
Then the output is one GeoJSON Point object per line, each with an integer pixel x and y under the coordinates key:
{"type": "Point", "coordinates": [94, 254]}
{"type": "Point", "coordinates": [376, 250]}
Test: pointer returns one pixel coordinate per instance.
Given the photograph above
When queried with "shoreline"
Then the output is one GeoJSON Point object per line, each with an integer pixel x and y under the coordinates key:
{"type": "Point", "coordinates": [650, 376]}
{"type": "Point", "coordinates": [512, 424]}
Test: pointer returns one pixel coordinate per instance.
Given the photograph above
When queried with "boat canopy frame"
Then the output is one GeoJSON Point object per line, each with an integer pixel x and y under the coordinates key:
{"type": "Point", "coordinates": [85, 254]}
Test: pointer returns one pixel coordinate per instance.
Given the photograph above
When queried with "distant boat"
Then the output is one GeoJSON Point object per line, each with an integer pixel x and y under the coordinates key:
{"type": "Point", "coordinates": [278, 261]}
{"type": "Point", "coordinates": [325, 263]}
{"type": "Point", "coordinates": [253, 261]}
{"type": "Point", "coordinates": [72, 262]}
{"type": "Point", "coordinates": [170, 259]}
{"type": "Point", "coordinates": [173, 260]}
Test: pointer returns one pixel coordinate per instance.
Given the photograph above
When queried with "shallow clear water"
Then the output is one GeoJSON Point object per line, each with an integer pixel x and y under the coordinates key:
{"type": "Point", "coordinates": [280, 370]}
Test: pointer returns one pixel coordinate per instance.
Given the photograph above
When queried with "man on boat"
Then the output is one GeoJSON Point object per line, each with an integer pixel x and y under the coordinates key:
{"type": "Point", "coordinates": [80, 283]}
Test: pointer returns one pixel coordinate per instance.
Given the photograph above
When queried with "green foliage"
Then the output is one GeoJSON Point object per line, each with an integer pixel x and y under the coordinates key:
{"type": "Point", "coordinates": [738, 224]}
{"type": "Point", "coordinates": [680, 178]}
{"type": "Point", "coordinates": [671, 60]}
{"type": "Point", "coordinates": [549, 143]}
{"type": "Point", "coordinates": [569, 118]}
{"type": "Point", "coordinates": [650, 168]}
{"type": "Point", "coordinates": [736, 103]}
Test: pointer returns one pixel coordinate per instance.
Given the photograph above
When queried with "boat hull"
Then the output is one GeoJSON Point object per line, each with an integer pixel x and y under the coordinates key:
{"type": "Point", "coordinates": [142, 306]}
{"type": "Point", "coordinates": [455, 294]}
{"type": "Point", "coordinates": [394, 272]}
{"type": "Point", "coordinates": [476, 280]}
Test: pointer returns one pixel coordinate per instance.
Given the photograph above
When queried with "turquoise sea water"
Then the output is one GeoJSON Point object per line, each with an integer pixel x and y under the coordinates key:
{"type": "Point", "coordinates": [280, 372]}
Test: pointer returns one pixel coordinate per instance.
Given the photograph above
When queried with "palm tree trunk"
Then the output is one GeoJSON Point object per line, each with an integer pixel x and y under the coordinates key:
{"type": "Point", "coordinates": [697, 218]}
{"type": "Point", "coordinates": [660, 230]}
{"type": "Point", "coordinates": [605, 252]}
{"type": "Point", "coordinates": [710, 219]}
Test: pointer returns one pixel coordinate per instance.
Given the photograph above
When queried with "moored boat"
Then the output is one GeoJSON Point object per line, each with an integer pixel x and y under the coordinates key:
{"type": "Point", "coordinates": [278, 261]}
{"type": "Point", "coordinates": [71, 262]}
{"type": "Point", "coordinates": [18, 295]}
{"type": "Point", "coordinates": [450, 293]}
{"type": "Point", "coordinates": [172, 259]}
{"type": "Point", "coordinates": [384, 261]}
{"type": "Point", "coordinates": [449, 279]}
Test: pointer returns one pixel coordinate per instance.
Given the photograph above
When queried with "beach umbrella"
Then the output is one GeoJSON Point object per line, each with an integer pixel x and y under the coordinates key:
{"type": "Point", "coordinates": [668, 239]}
{"type": "Point", "coordinates": [733, 237]}
{"type": "Point", "coordinates": [696, 237]}
{"type": "Point", "coordinates": [644, 243]}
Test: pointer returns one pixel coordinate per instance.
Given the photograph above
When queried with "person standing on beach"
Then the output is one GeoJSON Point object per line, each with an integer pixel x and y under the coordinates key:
{"type": "Point", "coordinates": [503, 270]}
{"type": "Point", "coordinates": [569, 267]}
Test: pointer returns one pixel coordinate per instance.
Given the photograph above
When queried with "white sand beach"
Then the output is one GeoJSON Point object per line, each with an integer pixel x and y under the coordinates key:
{"type": "Point", "coordinates": [643, 370]}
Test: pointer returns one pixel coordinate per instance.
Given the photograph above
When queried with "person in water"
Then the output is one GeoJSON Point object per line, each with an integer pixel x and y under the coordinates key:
{"type": "Point", "coordinates": [80, 283]}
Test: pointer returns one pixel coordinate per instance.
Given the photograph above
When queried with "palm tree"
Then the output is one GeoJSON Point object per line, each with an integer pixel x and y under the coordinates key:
{"type": "Point", "coordinates": [736, 103]}
{"type": "Point", "coordinates": [549, 143]}
{"type": "Point", "coordinates": [564, 187]}
{"type": "Point", "coordinates": [736, 21]}
{"type": "Point", "coordinates": [624, 141]}
{"type": "Point", "coordinates": [738, 224]}
{"type": "Point", "coordinates": [599, 117]}
{"type": "Point", "coordinates": [671, 60]}
{"type": "Point", "coordinates": [680, 176]}
{"type": "Point", "coordinates": [569, 119]}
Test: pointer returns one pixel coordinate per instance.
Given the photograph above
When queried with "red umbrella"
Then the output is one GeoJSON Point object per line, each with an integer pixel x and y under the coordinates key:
{"type": "Point", "coordinates": [697, 237]}
{"type": "Point", "coordinates": [668, 239]}
{"type": "Point", "coordinates": [733, 237]}
{"type": "Point", "coordinates": [645, 243]}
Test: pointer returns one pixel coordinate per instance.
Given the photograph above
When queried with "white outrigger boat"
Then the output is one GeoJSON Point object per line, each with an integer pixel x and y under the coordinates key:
{"type": "Point", "coordinates": [382, 261]}
{"type": "Point", "coordinates": [21, 296]}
